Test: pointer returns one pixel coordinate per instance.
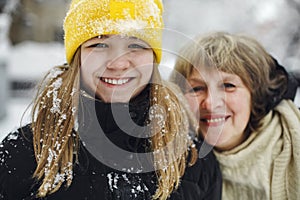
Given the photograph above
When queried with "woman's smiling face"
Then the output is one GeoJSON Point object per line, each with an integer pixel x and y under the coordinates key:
{"type": "Point", "coordinates": [222, 103]}
{"type": "Point", "coordinates": [116, 68]}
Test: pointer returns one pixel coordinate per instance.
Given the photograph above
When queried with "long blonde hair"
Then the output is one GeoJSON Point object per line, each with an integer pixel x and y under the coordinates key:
{"type": "Point", "coordinates": [56, 142]}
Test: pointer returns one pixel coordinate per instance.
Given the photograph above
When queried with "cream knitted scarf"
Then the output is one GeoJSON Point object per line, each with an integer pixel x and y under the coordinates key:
{"type": "Point", "coordinates": [267, 164]}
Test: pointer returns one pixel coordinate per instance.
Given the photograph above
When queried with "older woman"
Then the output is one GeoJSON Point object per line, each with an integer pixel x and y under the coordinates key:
{"type": "Point", "coordinates": [237, 91]}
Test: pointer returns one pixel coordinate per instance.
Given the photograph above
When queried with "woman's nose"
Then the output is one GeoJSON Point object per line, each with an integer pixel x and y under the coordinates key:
{"type": "Point", "coordinates": [212, 100]}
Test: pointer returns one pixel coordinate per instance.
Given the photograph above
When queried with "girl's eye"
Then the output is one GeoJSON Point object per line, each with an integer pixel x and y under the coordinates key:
{"type": "Point", "coordinates": [99, 45]}
{"type": "Point", "coordinates": [137, 46]}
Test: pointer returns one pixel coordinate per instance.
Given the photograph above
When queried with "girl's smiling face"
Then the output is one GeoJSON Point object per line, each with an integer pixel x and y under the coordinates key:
{"type": "Point", "coordinates": [116, 68]}
{"type": "Point", "coordinates": [222, 103]}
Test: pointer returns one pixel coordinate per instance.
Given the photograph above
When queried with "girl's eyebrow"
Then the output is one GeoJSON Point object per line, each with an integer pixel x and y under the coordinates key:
{"type": "Point", "coordinates": [133, 37]}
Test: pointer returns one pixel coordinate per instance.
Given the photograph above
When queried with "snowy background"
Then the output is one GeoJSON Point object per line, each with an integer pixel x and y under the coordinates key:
{"type": "Point", "coordinates": [275, 23]}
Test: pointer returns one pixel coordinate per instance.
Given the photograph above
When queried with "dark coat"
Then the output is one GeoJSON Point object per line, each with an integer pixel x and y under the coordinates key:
{"type": "Point", "coordinates": [93, 180]}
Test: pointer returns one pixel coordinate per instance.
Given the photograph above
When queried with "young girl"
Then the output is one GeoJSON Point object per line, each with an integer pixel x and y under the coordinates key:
{"type": "Point", "coordinates": [105, 125]}
{"type": "Point", "coordinates": [238, 91]}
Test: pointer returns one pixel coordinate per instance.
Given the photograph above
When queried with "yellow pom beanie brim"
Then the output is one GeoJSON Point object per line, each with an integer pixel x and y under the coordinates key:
{"type": "Point", "coordinates": [87, 19]}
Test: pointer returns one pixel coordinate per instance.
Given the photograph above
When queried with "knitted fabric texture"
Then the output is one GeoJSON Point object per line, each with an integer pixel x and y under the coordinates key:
{"type": "Point", "coordinates": [267, 165]}
{"type": "Point", "coordinates": [90, 18]}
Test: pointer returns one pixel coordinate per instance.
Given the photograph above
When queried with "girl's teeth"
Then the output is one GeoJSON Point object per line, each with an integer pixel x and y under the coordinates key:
{"type": "Point", "coordinates": [215, 120]}
{"type": "Point", "coordinates": [115, 81]}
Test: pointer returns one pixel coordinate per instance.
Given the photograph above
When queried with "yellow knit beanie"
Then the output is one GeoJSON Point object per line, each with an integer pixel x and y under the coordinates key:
{"type": "Point", "coordinates": [90, 18]}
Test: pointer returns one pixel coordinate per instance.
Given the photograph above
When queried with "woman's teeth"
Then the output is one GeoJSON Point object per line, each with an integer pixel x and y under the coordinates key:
{"type": "Point", "coordinates": [215, 120]}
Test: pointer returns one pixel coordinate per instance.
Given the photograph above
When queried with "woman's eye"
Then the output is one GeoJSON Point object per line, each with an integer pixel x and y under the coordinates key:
{"type": "Point", "coordinates": [196, 89]}
{"type": "Point", "coordinates": [99, 45]}
{"type": "Point", "coordinates": [228, 86]}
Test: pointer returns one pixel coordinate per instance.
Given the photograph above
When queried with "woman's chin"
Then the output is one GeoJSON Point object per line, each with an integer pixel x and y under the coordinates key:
{"type": "Point", "coordinates": [212, 137]}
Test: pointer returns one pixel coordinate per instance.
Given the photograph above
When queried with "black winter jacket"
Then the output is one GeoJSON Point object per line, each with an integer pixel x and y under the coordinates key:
{"type": "Point", "coordinates": [93, 180]}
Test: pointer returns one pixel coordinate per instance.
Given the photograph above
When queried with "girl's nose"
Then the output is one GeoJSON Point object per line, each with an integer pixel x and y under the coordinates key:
{"type": "Point", "coordinates": [120, 61]}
